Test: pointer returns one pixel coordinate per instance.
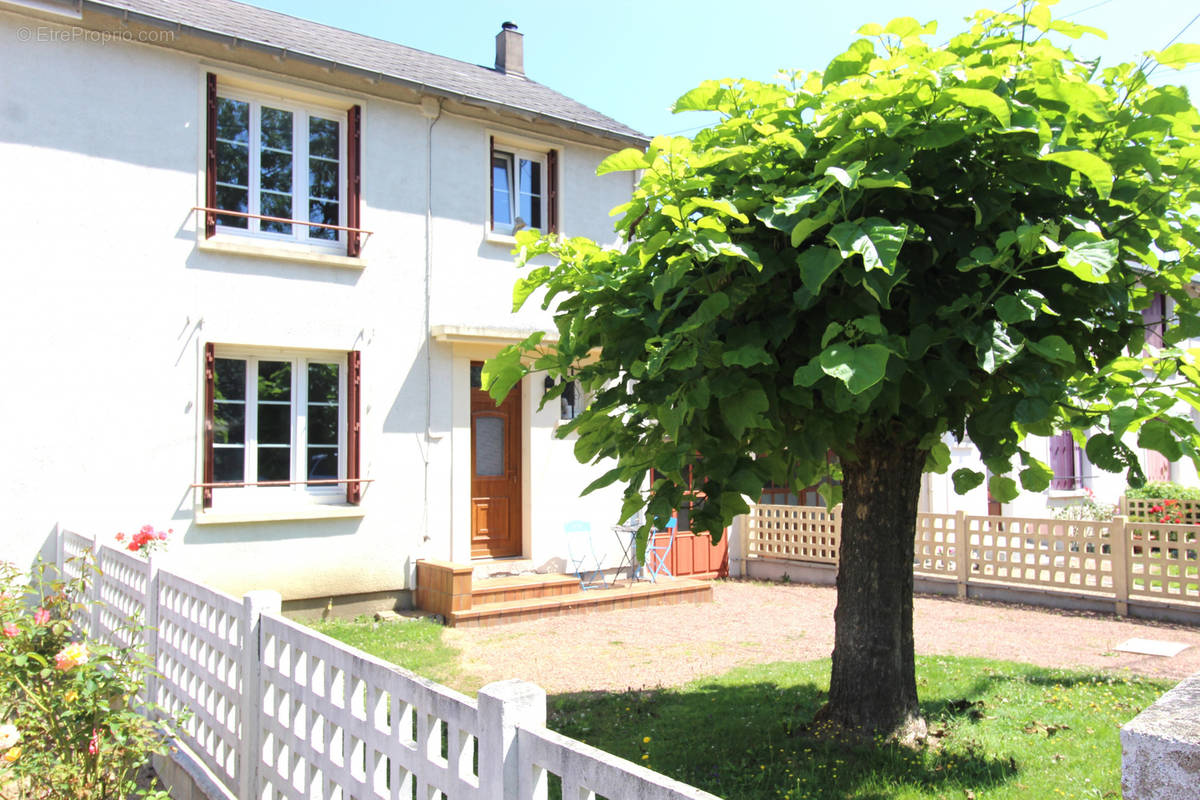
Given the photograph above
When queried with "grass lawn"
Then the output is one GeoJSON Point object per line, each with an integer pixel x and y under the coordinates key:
{"type": "Point", "coordinates": [999, 730]}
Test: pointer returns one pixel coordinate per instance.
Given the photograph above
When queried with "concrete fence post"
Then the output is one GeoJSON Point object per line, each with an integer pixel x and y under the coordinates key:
{"type": "Point", "coordinates": [1119, 544]}
{"type": "Point", "coordinates": [150, 620]}
{"type": "Point", "coordinates": [254, 605]}
{"type": "Point", "coordinates": [962, 541]}
{"type": "Point", "coordinates": [94, 587]}
{"type": "Point", "coordinates": [503, 707]}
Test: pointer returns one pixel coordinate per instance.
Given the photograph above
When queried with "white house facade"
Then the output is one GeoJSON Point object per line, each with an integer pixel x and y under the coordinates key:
{"type": "Point", "coordinates": [253, 266]}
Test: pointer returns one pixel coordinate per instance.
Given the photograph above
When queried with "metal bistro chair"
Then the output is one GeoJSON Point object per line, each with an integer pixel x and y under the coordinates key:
{"type": "Point", "coordinates": [657, 552]}
{"type": "Point", "coordinates": [582, 552]}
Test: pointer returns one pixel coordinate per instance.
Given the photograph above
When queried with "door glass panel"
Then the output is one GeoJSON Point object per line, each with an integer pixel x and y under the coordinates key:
{"type": "Point", "coordinates": [489, 446]}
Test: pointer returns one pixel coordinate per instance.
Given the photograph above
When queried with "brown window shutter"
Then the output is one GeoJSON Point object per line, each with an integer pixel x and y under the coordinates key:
{"type": "Point", "coordinates": [210, 159]}
{"type": "Point", "coordinates": [210, 366]}
{"type": "Point", "coordinates": [552, 190]}
{"type": "Point", "coordinates": [492, 182]}
{"type": "Point", "coordinates": [353, 179]}
{"type": "Point", "coordinates": [354, 425]}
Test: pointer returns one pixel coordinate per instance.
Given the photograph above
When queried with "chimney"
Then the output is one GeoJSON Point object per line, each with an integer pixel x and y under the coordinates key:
{"type": "Point", "coordinates": [510, 52]}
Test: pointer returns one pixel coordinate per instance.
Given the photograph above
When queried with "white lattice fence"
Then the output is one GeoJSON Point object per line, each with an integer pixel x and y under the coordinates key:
{"type": "Point", "coordinates": [337, 723]}
{"type": "Point", "coordinates": [123, 591]}
{"type": "Point", "coordinates": [800, 533]}
{"type": "Point", "coordinates": [1071, 555]}
{"type": "Point", "coordinates": [584, 771]}
{"type": "Point", "coordinates": [937, 546]}
{"type": "Point", "coordinates": [1164, 561]}
{"type": "Point", "coordinates": [201, 640]}
{"type": "Point", "coordinates": [75, 552]}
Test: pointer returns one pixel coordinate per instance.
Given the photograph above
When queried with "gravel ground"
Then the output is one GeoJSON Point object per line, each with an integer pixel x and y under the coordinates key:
{"type": "Point", "coordinates": [756, 623]}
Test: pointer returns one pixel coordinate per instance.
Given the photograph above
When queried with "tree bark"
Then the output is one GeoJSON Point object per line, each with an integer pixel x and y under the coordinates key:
{"type": "Point", "coordinates": [873, 687]}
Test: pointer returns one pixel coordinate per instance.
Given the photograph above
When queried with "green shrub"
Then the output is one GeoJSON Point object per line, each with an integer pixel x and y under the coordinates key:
{"type": "Point", "coordinates": [1164, 489]}
{"type": "Point", "coordinates": [69, 707]}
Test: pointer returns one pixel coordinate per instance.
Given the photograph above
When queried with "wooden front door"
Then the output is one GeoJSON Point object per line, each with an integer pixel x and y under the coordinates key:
{"type": "Point", "coordinates": [495, 472]}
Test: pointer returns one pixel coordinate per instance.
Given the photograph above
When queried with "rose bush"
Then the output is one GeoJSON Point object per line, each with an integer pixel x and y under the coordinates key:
{"type": "Point", "coordinates": [73, 723]}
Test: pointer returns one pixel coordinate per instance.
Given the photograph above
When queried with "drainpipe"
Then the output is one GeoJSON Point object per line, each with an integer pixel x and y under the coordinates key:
{"type": "Point", "coordinates": [431, 109]}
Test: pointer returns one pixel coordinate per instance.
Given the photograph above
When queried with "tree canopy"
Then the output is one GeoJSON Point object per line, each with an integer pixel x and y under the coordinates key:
{"type": "Point", "coordinates": [918, 240]}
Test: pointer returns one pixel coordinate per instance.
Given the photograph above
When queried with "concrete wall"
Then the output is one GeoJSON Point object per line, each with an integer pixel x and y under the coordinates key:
{"type": "Point", "coordinates": [1160, 748]}
{"type": "Point", "coordinates": [111, 293]}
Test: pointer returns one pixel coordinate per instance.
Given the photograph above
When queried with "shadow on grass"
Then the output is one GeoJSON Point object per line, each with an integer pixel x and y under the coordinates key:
{"type": "Point", "coordinates": [750, 740]}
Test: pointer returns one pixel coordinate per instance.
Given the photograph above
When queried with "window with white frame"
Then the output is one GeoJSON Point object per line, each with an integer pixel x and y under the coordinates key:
{"type": "Point", "coordinates": [280, 425]}
{"type": "Point", "coordinates": [524, 185]}
{"type": "Point", "coordinates": [282, 161]}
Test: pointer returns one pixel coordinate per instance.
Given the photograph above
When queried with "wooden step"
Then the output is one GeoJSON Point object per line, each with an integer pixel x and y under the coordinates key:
{"type": "Point", "coordinates": [667, 591]}
{"type": "Point", "coordinates": [521, 587]}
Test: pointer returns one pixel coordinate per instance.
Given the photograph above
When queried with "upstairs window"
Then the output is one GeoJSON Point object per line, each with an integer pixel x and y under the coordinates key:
{"type": "Point", "coordinates": [1064, 461]}
{"type": "Point", "coordinates": [276, 165]}
{"type": "Point", "coordinates": [524, 190]}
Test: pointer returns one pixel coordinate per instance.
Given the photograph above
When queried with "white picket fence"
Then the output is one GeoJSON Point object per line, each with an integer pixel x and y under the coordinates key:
{"type": "Point", "coordinates": [279, 711]}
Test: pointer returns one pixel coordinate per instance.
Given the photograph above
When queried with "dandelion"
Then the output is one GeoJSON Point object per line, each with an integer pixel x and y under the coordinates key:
{"type": "Point", "coordinates": [72, 655]}
{"type": "Point", "coordinates": [645, 740]}
{"type": "Point", "coordinates": [9, 736]}
{"type": "Point", "coordinates": [645, 756]}
{"type": "Point", "coordinates": [71, 696]}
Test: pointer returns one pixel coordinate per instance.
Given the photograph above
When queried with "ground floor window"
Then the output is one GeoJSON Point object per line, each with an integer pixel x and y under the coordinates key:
{"type": "Point", "coordinates": [280, 423]}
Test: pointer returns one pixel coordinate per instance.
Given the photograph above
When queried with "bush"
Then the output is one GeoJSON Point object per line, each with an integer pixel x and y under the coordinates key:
{"type": "Point", "coordinates": [1157, 490]}
{"type": "Point", "coordinates": [1087, 509]}
{"type": "Point", "coordinates": [70, 708]}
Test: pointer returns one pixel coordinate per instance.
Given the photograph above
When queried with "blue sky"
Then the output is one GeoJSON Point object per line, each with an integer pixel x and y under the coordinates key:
{"type": "Point", "coordinates": [632, 58]}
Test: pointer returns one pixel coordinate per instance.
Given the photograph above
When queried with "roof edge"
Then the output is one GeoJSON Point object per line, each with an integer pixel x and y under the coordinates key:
{"type": "Point", "coordinates": [122, 13]}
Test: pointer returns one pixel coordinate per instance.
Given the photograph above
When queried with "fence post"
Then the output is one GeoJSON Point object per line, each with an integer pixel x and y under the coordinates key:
{"type": "Point", "coordinates": [1119, 544]}
{"type": "Point", "coordinates": [150, 620]}
{"type": "Point", "coordinates": [254, 605]}
{"type": "Point", "coordinates": [962, 564]}
{"type": "Point", "coordinates": [503, 707]}
{"type": "Point", "coordinates": [95, 579]}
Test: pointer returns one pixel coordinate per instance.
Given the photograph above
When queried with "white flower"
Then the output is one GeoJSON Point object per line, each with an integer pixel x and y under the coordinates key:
{"type": "Point", "coordinates": [9, 735]}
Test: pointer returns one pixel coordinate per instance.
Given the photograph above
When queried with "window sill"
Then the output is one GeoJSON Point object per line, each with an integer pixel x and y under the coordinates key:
{"type": "Point", "coordinates": [277, 251]}
{"type": "Point", "coordinates": [1067, 494]}
{"type": "Point", "coordinates": [500, 238]}
{"type": "Point", "coordinates": [280, 515]}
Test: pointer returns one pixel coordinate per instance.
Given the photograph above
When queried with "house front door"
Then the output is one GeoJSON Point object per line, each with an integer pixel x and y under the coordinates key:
{"type": "Point", "coordinates": [495, 472]}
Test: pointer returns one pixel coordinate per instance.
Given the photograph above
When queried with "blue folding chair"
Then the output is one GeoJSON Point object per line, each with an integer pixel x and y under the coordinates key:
{"type": "Point", "coordinates": [582, 552]}
{"type": "Point", "coordinates": [657, 552]}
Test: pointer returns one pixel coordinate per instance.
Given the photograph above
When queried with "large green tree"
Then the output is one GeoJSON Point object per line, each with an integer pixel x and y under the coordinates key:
{"type": "Point", "coordinates": [919, 241]}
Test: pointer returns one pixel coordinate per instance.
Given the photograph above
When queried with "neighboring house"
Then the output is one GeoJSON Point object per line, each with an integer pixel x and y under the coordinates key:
{"type": "Point", "coordinates": [253, 267]}
{"type": "Point", "coordinates": [1075, 477]}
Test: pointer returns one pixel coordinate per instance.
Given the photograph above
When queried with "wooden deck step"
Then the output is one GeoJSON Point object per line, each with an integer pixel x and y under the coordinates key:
{"type": "Point", "coordinates": [521, 587]}
{"type": "Point", "coordinates": [667, 591]}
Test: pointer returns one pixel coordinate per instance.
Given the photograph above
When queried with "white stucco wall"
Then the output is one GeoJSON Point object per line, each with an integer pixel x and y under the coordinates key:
{"type": "Point", "coordinates": [109, 300]}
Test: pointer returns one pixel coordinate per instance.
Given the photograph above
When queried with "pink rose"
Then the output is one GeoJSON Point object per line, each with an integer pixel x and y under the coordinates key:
{"type": "Point", "coordinates": [41, 617]}
{"type": "Point", "coordinates": [11, 630]}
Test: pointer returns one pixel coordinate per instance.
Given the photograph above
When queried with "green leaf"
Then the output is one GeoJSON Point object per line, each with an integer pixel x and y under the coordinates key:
{"type": "Point", "coordinates": [809, 374]}
{"type": "Point", "coordinates": [606, 479]}
{"type": "Point", "coordinates": [1177, 56]}
{"type": "Point", "coordinates": [938, 459]}
{"type": "Point", "coordinates": [705, 97]}
{"type": "Point", "coordinates": [747, 356]}
{"type": "Point", "coordinates": [994, 348]}
{"type": "Point", "coordinates": [1003, 488]}
{"type": "Point", "coordinates": [624, 160]}
{"type": "Point", "coordinates": [1104, 450]}
{"type": "Point", "coordinates": [982, 99]}
{"type": "Point", "coordinates": [1087, 259]}
{"type": "Point", "coordinates": [744, 409]}
{"type": "Point", "coordinates": [1090, 165]}
{"type": "Point", "coordinates": [965, 480]}
{"type": "Point", "coordinates": [1157, 435]}
{"type": "Point", "coordinates": [1036, 476]}
{"type": "Point", "coordinates": [816, 264]}
{"type": "Point", "coordinates": [1053, 348]}
{"type": "Point", "coordinates": [859, 368]}
{"type": "Point", "coordinates": [1012, 309]}
{"type": "Point", "coordinates": [875, 239]}
{"type": "Point", "coordinates": [711, 308]}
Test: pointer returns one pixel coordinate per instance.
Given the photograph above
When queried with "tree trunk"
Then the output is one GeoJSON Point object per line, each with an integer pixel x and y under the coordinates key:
{"type": "Point", "coordinates": [873, 687]}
